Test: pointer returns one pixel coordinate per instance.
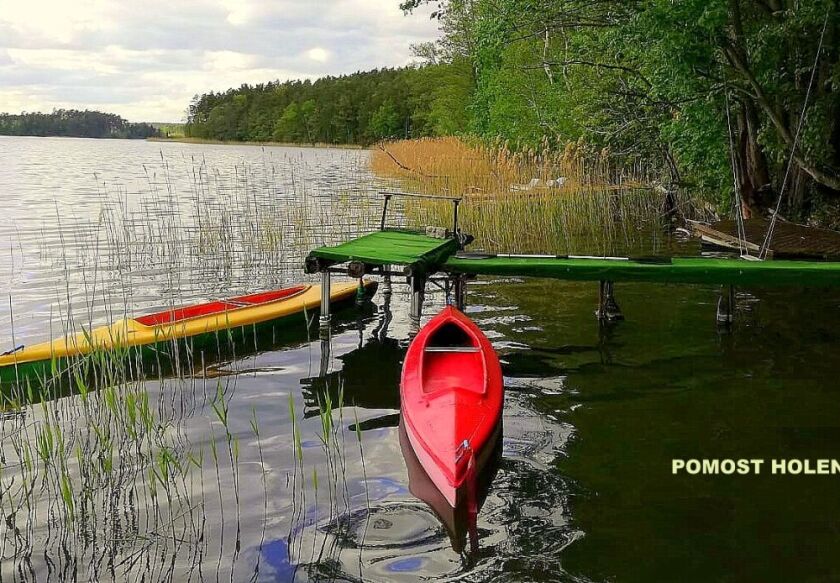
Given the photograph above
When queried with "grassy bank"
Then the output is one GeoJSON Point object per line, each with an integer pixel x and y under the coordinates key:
{"type": "Point", "coordinates": [569, 201]}
{"type": "Point", "coordinates": [187, 140]}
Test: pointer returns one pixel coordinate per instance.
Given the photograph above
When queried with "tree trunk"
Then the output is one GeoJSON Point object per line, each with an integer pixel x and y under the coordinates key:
{"type": "Point", "coordinates": [797, 189]}
{"type": "Point", "coordinates": [751, 163]}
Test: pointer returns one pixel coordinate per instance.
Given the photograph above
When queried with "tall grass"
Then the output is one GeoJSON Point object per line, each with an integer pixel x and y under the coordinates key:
{"type": "Point", "coordinates": [570, 201]}
{"type": "Point", "coordinates": [139, 477]}
{"type": "Point", "coordinates": [85, 480]}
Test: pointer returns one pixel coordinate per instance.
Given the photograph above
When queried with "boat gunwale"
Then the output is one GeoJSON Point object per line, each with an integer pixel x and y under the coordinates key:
{"type": "Point", "coordinates": [303, 289]}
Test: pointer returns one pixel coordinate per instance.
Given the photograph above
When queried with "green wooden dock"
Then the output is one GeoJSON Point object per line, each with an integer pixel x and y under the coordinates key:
{"type": "Point", "coordinates": [418, 253]}
{"type": "Point", "coordinates": [420, 256]}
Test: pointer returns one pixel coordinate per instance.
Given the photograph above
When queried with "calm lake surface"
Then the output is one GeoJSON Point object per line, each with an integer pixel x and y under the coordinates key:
{"type": "Point", "coordinates": [92, 230]}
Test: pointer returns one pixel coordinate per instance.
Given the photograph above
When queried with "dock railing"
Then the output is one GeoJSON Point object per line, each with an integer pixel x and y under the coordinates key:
{"type": "Point", "coordinates": [455, 200]}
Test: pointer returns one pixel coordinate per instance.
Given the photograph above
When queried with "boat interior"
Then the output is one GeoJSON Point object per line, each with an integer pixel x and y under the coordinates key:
{"type": "Point", "coordinates": [220, 306]}
{"type": "Point", "coordinates": [453, 359]}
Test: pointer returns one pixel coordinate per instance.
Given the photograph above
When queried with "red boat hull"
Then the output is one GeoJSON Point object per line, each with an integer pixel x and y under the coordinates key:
{"type": "Point", "coordinates": [452, 393]}
{"type": "Point", "coordinates": [456, 519]}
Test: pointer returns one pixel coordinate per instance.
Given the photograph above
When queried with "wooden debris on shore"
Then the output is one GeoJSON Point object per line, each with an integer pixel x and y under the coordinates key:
{"type": "Point", "coordinates": [790, 240]}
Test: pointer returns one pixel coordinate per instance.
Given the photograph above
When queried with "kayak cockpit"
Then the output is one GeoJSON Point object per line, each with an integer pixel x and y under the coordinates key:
{"type": "Point", "coordinates": [219, 307]}
{"type": "Point", "coordinates": [452, 360]}
{"type": "Point", "coordinates": [451, 336]}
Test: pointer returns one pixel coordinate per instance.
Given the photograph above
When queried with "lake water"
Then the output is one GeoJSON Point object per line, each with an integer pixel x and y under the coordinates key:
{"type": "Point", "coordinates": [583, 491]}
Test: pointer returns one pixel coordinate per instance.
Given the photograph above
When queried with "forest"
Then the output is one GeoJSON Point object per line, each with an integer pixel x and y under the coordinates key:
{"type": "Point", "coordinates": [675, 84]}
{"type": "Point", "coordinates": [74, 123]}
{"type": "Point", "coordinates": [352, 109]}
{"type": "Point", "coordinates": [712, 93]}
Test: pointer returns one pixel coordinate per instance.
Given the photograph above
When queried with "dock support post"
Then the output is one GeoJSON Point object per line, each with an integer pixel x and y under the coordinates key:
{"type": "Point", "coordinates": [726, 307]}
{"type": "Point", "coordinates": [386, 281]}
{"type": "Point", "coordinates": [418, 287]}
{"type": "Point", "coordinates": [326, 348]}
{"type": "Point", "coordinates": [608, 310]}
{"type": "Point", "coordinates": [460, 292]}
{"type": "Point", "coordinates": [325, 299]}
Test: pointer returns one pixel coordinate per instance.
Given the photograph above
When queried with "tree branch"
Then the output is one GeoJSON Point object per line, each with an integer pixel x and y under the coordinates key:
{"type": "Point", "coordinates": [828, 178]}
{"type": "Point", "coordinates": [595, 64]}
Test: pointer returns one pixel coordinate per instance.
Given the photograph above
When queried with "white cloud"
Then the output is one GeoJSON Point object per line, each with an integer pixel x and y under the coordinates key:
{"type": "Point", "coordinates": [53, 21]}
{"type": "Point", "coordinates": [239, 12]}
{"type": "Point", "coordinates": [318, 54]}
{"type": "Point", "coordinates": [62, 60]}
{"type": "Point", "coordinates": [145, 60]}
{"type": "Point", "coordinates": [228, 61]}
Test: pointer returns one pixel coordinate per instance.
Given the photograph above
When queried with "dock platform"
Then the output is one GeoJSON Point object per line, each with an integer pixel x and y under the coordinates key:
{"type": "Point", "coordinates": [697, 270]}
{"type": "Point", "coordinates": [419, 253]}
{"type": "Point", "coordinates": [424, 255]}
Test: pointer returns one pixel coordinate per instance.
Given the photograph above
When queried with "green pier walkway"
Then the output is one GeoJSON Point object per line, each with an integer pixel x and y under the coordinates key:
{"type": "Point", "coordinates": [423, 255]}
{"type": "Point", "coordinates": [419, 253]}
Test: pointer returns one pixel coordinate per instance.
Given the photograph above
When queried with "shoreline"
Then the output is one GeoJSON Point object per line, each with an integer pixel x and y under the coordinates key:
{"type": "Point", "coordinates": [205, 141]}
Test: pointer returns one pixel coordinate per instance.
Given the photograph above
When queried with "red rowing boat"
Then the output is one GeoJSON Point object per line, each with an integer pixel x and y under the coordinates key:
{"type": "Point", "coordinates": [452, 393]}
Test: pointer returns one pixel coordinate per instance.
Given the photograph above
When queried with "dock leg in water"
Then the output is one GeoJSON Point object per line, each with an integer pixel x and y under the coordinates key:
{"type": "Point", "coordinates": [608, 310]}
{"type": "Point", "coordinates": [726, 306]}
{"type": "Point", "coordinates": [326, 349]}
{"type": "Point", "coordinates": [325, 299]}
{"type": "Point", "coordinates": [386, 281]}
{"type": "Point", "coordinates": [418, 288]}
{"type": "Point", "coordinates": [460, 292]}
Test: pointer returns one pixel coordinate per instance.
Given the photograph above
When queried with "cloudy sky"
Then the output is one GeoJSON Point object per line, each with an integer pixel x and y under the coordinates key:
{"type": "Point", "coordinates": [145, 59]}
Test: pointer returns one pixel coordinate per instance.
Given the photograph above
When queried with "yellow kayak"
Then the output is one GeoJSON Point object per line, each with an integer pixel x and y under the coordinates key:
{"type": "Point", "coordinates": [188, 322]}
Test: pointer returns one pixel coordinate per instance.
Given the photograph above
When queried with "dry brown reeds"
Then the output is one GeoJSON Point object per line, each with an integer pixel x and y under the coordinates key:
{"type": "Point", "coordinates": [547, 200]}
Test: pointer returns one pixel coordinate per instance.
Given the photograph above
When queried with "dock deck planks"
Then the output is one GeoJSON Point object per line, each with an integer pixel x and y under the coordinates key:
{"type": "Point", "coordinates": [391, 248]}
{"type": "Point", "coordinates": [430, 255]}
{"type": "Point", "coordinates": [700, 270]}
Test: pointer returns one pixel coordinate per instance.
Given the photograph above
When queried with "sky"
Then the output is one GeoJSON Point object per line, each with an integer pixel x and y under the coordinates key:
{"type": "Point", "coordinates": [146, 59]}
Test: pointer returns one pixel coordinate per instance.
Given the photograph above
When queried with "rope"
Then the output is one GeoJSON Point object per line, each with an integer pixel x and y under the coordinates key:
{"type": "Point", "coordinates": [765, 246]}
{"type": "Point", "coordinates": [472, 501]}
{"type": "Point", "coordinates": [739, 210]}
{"type": "Point", "coordinates": [470, 483]}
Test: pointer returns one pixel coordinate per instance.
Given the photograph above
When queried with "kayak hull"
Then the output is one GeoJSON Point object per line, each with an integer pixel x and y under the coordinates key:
{"type": "Point", "coordinates": [241, 325]}
{"type": "Point", "coordinates": [454, 518]}
{"type": "Point", "coordinates": [455, 495]}
{"type": "Point", "coordinates": [452, 394]}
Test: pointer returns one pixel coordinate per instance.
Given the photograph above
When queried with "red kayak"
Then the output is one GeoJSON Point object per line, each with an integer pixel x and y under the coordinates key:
{"type": "Point", "coordinates": [452, 393]}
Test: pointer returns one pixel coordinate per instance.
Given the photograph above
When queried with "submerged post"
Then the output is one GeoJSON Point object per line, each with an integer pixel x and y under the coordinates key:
{"type": "Point", "coordinates": [325, 299]}
{"type": "Point", "coordinates": [726, 307]}
{"type": "Point", "coordinates": [608, 310]}
{"type": "Point", "coordinates": [460, 291]}
{"type": "Point", "coordinates": [418, 287]}
{"type": "Point", "coordinates": [326, 348]}
{"type": "Point", "coordinates": [386, 281]}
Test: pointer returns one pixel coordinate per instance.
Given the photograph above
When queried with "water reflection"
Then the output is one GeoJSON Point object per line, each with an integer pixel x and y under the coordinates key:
{"type": "Point", "coordinates": [455, 520]}
{"type": "Point", "coordinates": [229, 475]}
{"type": "Point", "coordinates": [368, 377]}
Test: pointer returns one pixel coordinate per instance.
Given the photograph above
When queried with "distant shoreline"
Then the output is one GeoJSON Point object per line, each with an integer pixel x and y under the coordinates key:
{"type": "Point", "coordinates": [270, 144]}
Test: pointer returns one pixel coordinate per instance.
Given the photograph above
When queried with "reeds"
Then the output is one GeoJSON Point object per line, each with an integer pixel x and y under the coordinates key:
{"type": "Point", "coordinates": [571, 201]}
{"type": "Point", "coordinates": [77, 471]}
{"type": "Point", "coordinates": [110, 468]}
